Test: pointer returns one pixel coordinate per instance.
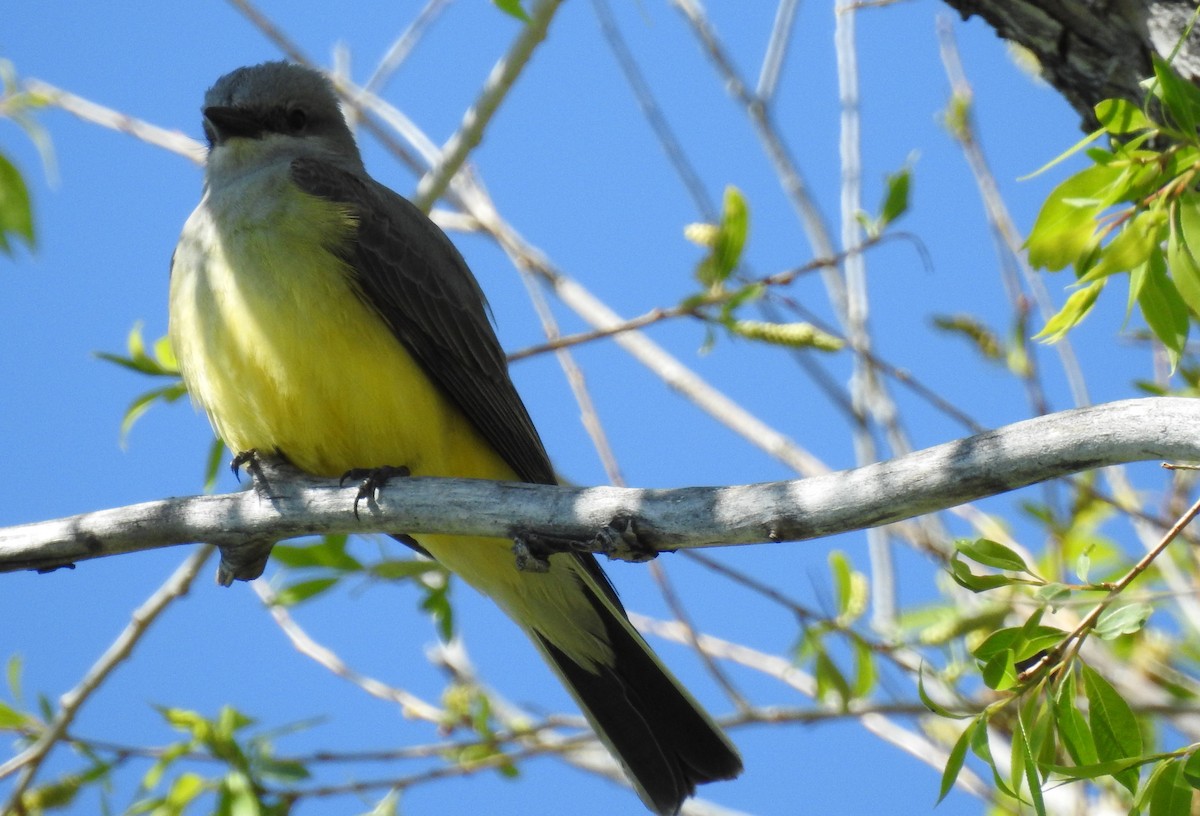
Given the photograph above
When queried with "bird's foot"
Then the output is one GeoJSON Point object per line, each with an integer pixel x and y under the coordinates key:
{"type": "Point", "coordinates": [532, 551]}
{"type": "Point", "coordinates": [245, 560]}
{"type": "Point", "coordinates": [251, 460]}
{"type": "Point", "coordinates": [619, 539]}
{"type": "Point", "coordinates": [372, 480]}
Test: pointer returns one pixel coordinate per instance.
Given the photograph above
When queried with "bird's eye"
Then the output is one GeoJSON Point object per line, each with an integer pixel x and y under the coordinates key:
{"type": "Point", "coordinates": [297, 119]}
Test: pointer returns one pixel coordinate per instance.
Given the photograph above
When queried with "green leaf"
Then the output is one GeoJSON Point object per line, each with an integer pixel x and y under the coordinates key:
{"type": "Point", "coordinates": [182, 719]}
{"type": "Point", "coordinates": [1121, 116]}
{"type": "Point", "coordinates": [1183, 248]}
{"type": "Point", "coordinates": [184, 789]}
{"type": "Point", "coordinates": [437, 604]}
{"type": "Point", "coordinates": [830, 679]}
{"type": "Point", "coordinates": [11, 718]}
{"type": "Point", "coordinates": [1066, 154]}
{"type": "Point", "coordinates": [839, 565]}
{"type": "Point", "coordinates": [1000, 672]}
{"type": "Point", "coordinates": [864, 670]}
{"type": "Point", "coordinates": [143, 402]}
{"type": "Point", "coordinates": [992, 554]}
{"type": "Point", "coordinates": [284, 770]}
{"type": "Point", "coordinates": [981, 748]}
{"type": "Point", "coordinates": [895, 200]}
{"type": "Point", "coordinates": [1021, 744]}
{"type": "Point", "coordinates": [212, 464]}
{"type": "Point", "coordinates": [328, 553]}
{"type": "Point", "coordinates": [1083, 566]}
{"type": "Point", "coordinates": [53, 795]}
{"type": "Point", "coordinates": [1072, 727]}
{"type": "Point", "coordinates": [165, 759]}
{"type": "Point", "coordinates": [1065, 227]}
{"type": "Point", "coordinates": [958, 755]}
{"type": "Point", "coordinates": [1022, 642]}
{"type": "Point", "coordinates": [1123, 620]}
{"type": "Point", "coordinates": [1164, 310]}
{"type": "Point", "coordinates": [16, 212]}
{"type": "Point", "coordinates": [1170, 794]}
{"type": "Point", "coordinates": [161, 364]}
{"type": "Point", "coordinates": [1074, 310]}
{"type": "Point", "coordinates": [730, 239]}
{"type": "Point", "coordinates": [303, 590]}
{"type": "Point", "coordinates": [962, 575]}
{"type": "Point", "coordinates": [1110, 768]}
{"type": "Point", "coordinates": [1180, 98]}
{"type": "Point", "coordinates": [1132, 246]}
{"type": "Point", "coordinates": [387, 806]}
{"type": "Point", "coordinates": [931, 704]}
{"type": "Point", "coordinates": [1191, 769]}
{"type": "Point", "coordinates": [13, 674]}
{"type": "Point", "coordinates": [513, 9]}
{"type": "Point", "coordinates": [1053, 595]}
{"type": "Point", "coordinates": [1114, 728]}
{"type": "Point", "coordinates": [403, 569]}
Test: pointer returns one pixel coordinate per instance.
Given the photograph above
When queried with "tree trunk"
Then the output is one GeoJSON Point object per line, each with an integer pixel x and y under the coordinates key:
{"type": "Point", "coordinates": [1094, 49]}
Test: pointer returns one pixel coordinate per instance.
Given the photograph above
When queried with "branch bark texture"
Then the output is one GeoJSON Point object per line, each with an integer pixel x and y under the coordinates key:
{"type": "Point", "coordinates": [1091, 50]}
{"type": "Point", "coordinates": [284, 504]}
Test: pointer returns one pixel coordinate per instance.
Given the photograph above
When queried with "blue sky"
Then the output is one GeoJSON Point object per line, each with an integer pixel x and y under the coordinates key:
{"type": "Point", "coordinates": [573, 165]}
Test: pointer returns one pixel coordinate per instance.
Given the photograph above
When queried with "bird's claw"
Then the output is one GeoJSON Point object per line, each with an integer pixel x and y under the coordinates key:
{"type": "Point", "coordinates": [371, 481]}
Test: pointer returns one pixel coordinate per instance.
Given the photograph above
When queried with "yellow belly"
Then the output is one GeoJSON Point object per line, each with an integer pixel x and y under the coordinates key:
{"type": "Point", "coordinates": [283, 355]}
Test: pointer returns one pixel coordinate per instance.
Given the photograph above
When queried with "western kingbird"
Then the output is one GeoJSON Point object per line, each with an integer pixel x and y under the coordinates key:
{"type": "Point", "coordinates": [319, 315]}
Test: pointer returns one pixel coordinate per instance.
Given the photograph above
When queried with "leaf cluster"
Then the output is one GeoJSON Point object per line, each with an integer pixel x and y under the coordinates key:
{"type": "Point", "coordinates": [1134, 210]}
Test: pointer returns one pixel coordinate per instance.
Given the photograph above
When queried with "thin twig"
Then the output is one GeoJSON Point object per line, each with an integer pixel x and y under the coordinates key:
{"type": "Point", "coordinates": [777, 46]}
{"type": "Point", "coordinates": [1075, 639]}
{"type": "Point", "coordinates": [675, 604]}
{"type": "Point", "coordinates": [784, 670]}
{"type": "Point", "coordinates": [171, 140]}
{"type": "Point", "coordinates": [29, 760]}
{"type": "Point", "coordinates": [866, 391]}
{"type": "Point", "coordinates": [494, 91]}
{"type": "Point", "coordinates": [403, 46]}
{"type": "Point", "coordinates": [410, 705]}
{"type": "Point", "coordinates": [653, 112]}
{"type": "Point", "coordinates": [575, 377]}
{"type": "Point", "coordinates": [811, 217]}
{"type": "Point", "coordinates": [272, 32]}
{"type": "Point", "coordinates": [1007, 236]}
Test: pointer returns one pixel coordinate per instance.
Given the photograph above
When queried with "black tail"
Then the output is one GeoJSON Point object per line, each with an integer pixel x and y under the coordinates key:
{"type": "Point", "coordinates": [664, 740]}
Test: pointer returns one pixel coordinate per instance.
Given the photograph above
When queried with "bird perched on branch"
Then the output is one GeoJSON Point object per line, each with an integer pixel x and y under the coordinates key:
{"type": "Point", "coordinates": [320, 316]}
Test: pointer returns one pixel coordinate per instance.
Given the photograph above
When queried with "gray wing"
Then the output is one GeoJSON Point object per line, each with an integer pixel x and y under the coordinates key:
{"type": "Point", "coordinates": [410, 273]}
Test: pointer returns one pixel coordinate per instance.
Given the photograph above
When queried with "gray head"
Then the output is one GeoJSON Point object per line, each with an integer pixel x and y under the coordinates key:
{"type": "Point", "coordinates": [291, 108]}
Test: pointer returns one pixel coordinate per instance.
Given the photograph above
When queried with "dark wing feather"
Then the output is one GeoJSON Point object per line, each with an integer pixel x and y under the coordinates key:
{"type": "Point", "coordinates": [410, 273]}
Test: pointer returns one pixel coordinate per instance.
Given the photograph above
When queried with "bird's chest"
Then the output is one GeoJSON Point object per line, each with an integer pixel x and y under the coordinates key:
{"type": "Point", "coordinates": [271, 337]}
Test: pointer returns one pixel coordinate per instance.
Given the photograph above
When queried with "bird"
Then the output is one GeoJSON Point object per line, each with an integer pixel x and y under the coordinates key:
{"type": "Point", "coordinates": [318, 316]}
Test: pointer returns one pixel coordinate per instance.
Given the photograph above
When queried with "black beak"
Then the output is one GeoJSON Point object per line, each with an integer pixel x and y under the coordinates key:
{"type": "Point", "coordinates": [222, 124]}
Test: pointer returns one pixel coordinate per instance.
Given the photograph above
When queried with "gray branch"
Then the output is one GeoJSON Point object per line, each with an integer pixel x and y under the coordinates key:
{"type": "Point", "coordinates": [1091, 50]}
{"type": "Point", "coordinates": [284, 504]}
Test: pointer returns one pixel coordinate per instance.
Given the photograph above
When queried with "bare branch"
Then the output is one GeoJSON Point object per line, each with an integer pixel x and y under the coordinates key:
{"type": "Point", "coordinates": [171, 140]}
{"type": "Point", "coordinates": [477, 117]}
{"type": "Point", "coordinates": [410, 705]}
{"type": "Point", "coordinates": [29, 760]}
{"type": "Point", "coordinates": [285, 504]}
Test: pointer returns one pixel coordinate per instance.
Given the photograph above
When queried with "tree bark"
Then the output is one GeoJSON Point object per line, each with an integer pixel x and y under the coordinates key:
{"type": "Point", "coordinates": [1091, 50]}
{"type": "Point", "coordinates": [625, 523]}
